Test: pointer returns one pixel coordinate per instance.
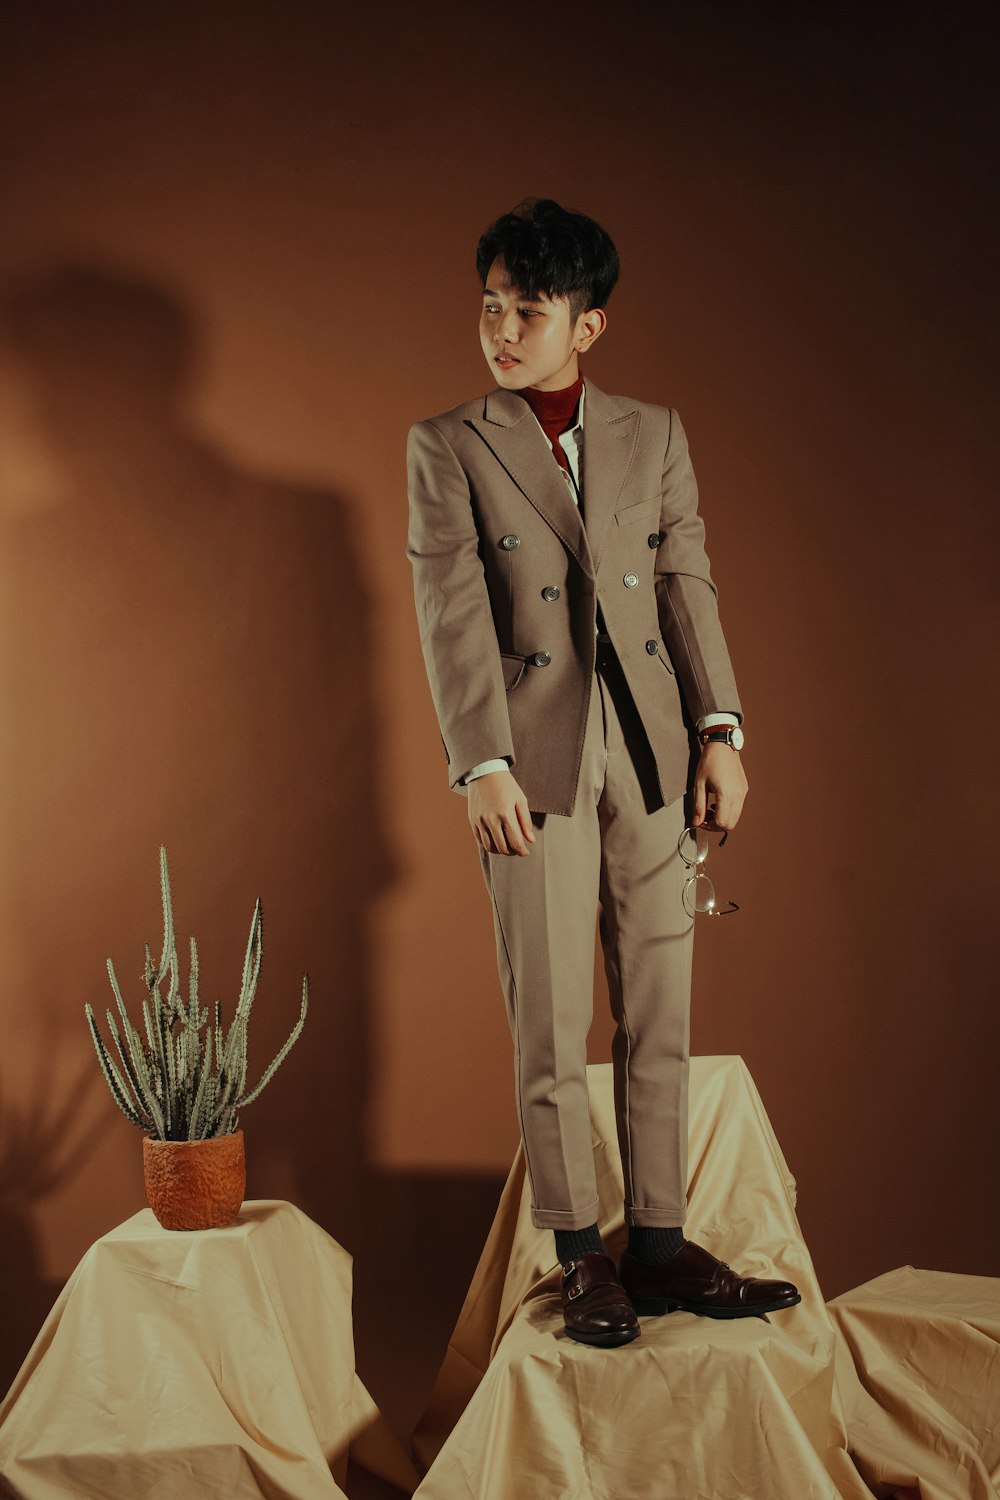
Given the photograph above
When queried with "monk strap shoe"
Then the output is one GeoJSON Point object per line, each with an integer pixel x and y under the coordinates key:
{"type": "Point", "coordinates": [692, 1280]}
{"type": "Point", "coordinates": [596, 1308]}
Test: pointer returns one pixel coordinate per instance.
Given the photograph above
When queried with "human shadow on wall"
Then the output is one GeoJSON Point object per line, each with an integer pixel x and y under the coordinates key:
{"type": "Point", "coordinates": [185, 658]}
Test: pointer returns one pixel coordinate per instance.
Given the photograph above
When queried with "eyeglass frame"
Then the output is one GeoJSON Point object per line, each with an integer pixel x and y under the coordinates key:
{"type": "Point", "coordinates": [698, 873]}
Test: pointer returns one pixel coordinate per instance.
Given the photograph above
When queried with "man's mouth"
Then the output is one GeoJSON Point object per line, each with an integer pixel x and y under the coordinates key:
{"type": "Point", "coordinates": [505, 359]}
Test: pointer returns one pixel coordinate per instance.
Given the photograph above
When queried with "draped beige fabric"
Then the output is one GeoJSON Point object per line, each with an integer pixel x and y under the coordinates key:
{"type": "Point", "coordinates": [919, 1366]}
{"type": "Point", "coordinates": [222, 1362]}
{"type": "Point", "coordinates": [213, 1363]}
{"type": "Point", "coordinates": [694, 1409]}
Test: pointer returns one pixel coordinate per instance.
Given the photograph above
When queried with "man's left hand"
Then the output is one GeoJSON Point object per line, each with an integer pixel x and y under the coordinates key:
{"type": "Point", "coordinates": [720, 788]}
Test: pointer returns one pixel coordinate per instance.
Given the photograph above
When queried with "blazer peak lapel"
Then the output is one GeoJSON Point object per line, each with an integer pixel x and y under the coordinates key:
{"type": "Point", "coordinates": [518, 443]}
{"type": "Point", "coordinates": [610, 436]}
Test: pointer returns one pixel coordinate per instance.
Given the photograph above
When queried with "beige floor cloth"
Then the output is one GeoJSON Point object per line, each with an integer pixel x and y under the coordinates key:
{"type": "Point", "coordinates": [695, 1409]}
{"type": "Point", "coordinates": [214, 1363]}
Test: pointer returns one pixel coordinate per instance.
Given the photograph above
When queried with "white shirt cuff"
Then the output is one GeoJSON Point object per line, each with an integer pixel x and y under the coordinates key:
{"type": "Point", "coordinates": [484, 768]}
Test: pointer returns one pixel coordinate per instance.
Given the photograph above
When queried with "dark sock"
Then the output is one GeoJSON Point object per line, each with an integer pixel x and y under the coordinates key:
{"type": "Point", "coordinates": [572, 1243]}
{"type": "Point", "coordinates": [653, 1245]}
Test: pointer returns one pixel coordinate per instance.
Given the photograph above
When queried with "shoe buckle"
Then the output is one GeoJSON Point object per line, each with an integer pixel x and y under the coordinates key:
{"type": "Point", "coordinates": [574, 1291]}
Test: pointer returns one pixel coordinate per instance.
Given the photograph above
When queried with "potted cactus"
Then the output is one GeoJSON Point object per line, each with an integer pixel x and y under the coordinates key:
{"type": "Point", "coordinates": [183, 1080]}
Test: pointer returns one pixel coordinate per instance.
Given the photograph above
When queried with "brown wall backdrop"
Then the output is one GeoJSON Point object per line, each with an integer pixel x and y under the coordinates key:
{"type": "Point", "coordinates": [236, 264]}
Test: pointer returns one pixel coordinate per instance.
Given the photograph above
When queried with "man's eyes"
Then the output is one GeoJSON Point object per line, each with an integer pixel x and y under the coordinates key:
{"type": "Point", "coordinates": [526, 312]}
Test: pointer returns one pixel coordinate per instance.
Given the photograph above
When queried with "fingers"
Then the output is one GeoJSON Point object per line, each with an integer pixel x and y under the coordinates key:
{"type": "Point", "coordinates": [724, 809]}
{"type": "Point", "coordinates": [489, 834]}
{"type": "Point", "coordinates": [700, 800]}
{"type": "Point", "coordinates": [504, 835]}
{"type": "Point", "coordinates": [729, 800]}
{"type": "Point", "coordinates": [524, 819]}
{"type": "Point", "coordinates": [492, 833]}
{"type": "Point", "coordinates": [516, 827]}
{"type": "Point", "coordinates": [727, 812]}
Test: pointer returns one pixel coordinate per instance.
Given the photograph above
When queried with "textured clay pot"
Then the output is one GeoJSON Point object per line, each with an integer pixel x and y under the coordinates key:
{"type": "Point", "coordinates": [195, 1184]}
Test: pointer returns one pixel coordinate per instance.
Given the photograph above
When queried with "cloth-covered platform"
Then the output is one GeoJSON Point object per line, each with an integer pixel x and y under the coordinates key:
{"type": "Point", "coordinates": [919, 1369]}
{"type": "Point", "coordinates": [695, 1409]}
{"type": "Point", "coordinates": [212, 1363]}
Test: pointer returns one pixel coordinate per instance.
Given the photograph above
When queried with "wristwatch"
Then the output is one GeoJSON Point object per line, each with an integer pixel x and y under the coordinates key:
{"type": "Point", "coordinates": [723, 734]}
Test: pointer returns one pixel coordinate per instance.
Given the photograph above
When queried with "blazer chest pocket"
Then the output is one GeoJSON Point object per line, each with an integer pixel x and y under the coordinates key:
{"type": "Point", "coordinates": [513, 669]}
{"type": "Point", "coordinates": [642, 510]}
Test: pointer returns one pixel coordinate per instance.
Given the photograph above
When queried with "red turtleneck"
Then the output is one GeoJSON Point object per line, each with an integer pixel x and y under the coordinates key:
{"type": "Point", "coordinates": [555, 411]}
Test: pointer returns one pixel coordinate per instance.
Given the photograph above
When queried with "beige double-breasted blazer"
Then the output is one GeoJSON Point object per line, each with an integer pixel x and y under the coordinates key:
{"type": "Point", "coordinates": [508, 576]}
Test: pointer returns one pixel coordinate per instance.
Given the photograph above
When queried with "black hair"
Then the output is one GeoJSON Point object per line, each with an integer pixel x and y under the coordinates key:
{"type": "Point", "coordinates": [549, 251]}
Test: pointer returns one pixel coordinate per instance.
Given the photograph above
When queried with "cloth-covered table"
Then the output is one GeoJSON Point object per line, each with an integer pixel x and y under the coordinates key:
{"type": "Point", "coordinates": [919, 1368]}
{"type": "Point", "coordinates": [695, 1408]}
{"type": "Point", "coordinates": [208, 1363]}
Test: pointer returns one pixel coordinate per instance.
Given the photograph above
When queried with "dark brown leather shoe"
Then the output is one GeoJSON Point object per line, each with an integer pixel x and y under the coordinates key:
{"type": "Point", "coordinates": [694, 1281]}
{"type": "Point", "coordinates": [596, 1308]}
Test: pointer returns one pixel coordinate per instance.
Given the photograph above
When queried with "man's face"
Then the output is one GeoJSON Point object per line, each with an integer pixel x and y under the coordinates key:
{"type": "Point", "coordinates": [529, 341]}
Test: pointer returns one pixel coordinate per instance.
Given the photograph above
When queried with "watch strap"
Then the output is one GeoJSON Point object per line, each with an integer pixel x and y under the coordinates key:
{"type": "Point", "coordinates": [719, 734]}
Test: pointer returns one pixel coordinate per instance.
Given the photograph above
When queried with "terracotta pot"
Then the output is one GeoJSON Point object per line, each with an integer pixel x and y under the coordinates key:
{"type": "Point", "coordinates": [195, 1184]}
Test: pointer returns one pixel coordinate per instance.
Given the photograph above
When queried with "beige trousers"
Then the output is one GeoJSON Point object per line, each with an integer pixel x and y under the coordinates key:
{"type": "Point", "coordinates": [615, 858]}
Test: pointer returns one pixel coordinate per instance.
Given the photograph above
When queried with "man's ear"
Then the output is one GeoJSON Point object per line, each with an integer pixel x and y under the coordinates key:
{"type": "Point", "coordinates": [589, 326]}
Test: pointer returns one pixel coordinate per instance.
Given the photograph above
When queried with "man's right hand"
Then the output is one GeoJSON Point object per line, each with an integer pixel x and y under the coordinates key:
{"type": "Point", "coordinates": [498, 812]}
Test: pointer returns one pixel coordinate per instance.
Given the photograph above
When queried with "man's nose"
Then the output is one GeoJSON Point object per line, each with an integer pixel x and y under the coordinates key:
{"type": "Point", "coordinates": [506, 329]}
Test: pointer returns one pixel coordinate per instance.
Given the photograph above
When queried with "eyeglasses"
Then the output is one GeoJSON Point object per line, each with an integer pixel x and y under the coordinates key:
{"type": "Point", "coordinates": [698, 893]}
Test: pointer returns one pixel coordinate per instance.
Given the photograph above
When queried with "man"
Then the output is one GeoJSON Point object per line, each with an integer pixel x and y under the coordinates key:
{"type": "Point", "coordinates": [569, 625]}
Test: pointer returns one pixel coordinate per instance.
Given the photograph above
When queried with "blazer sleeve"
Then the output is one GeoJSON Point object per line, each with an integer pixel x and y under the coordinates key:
{"type": "Point", "coordinates": [686, 597]}
{"type": "Point", "coordinates": [454, 614]}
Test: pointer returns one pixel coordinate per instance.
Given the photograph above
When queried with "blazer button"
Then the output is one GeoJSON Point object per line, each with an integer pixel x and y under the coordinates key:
{"type": "Point", "coordinates": [508, 543]}
{"type": "Point", "coordinates": [550, 593]}
{"type": "Point", "coordinates": [541, 658]}
{"type": "Point", "coordinates": [654, 539]}
{"type": "Point", "coordinates": [652, 647]}
{"type": "Point", "coordinates": [630, 580]}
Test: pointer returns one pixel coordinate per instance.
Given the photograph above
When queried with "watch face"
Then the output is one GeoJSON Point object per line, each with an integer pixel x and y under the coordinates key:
{"type": "Point", "coordinates": [736, 738]}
